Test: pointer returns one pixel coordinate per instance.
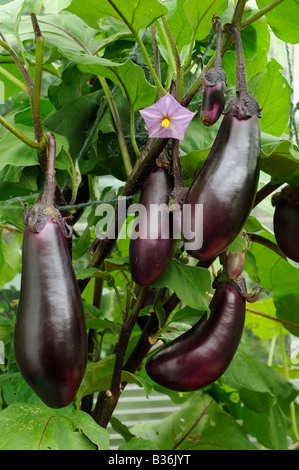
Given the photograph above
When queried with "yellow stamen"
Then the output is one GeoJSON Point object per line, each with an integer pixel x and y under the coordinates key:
{"type": "Point", "coordinates": [165, 122]}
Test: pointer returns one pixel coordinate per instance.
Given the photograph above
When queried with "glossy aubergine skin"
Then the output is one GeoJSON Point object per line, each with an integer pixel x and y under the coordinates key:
{"type": "Point", "coordinates": [149, 256]}
{"type": "Point", "coordinates": [50, 334]}
{"type": "Point", "coordinates": [213, 102]}
{"type": "Point", "coordinates": [202, 354]}
{"type": "Point", "coordinates": [225, 185]}
{"type": "Point", "coordinates": [286, 227]}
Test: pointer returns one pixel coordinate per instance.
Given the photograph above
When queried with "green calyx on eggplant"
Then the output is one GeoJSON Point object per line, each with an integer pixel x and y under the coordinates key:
{"type": "Point", "coordinates": [226, 185]}
{"type": "Point", "coordinates": [50, 340]}
{"type": "Point", "coordinates": [286, 221]}
{"type": "Point", "coordinates": [200, 356]}
{"type": "Point", "coordinates": [214, 82]}
{"type": "Point", "coordinates": [152, 246]}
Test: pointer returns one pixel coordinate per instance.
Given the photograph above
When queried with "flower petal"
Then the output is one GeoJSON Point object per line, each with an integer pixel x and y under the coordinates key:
{"type": "Point", "coordinates": [167, 106]}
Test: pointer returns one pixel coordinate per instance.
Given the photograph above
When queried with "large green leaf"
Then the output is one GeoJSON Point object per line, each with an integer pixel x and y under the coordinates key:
{"type": "Point", "coordinates": [33, 427]}
{"type": "Point", "coordinates": [213, 429]}
{"type": "Point", "coordinates": [190, 283]}
{"type": "Point", "coordinates": [136, 14]}
{"type": "Point", "coordinates": [128, 76]}
{"type": "Point", "coordinates": [283, 19]}
{"type": "Point", "coordinates": [273, 93]}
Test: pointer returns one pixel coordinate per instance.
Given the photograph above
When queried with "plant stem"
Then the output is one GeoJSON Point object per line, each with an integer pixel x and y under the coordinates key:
{"type": "Point", "coordinates": [268, 243]}
{"type": "Point", "coordinates": [177, 169]}
{"type": "Point", "coordinates": [13, 79]}
{"type": "Point", "coordinates": [241, 84]}
{"type": "Point", "coordinates": [179, 74]}
{"type": "Point", "coordinates": [278, 320]}
{"type": "Point", "coordinates": [36, 90]}
{"type": "Point", "coordinates": [50, 183]}
{"type": "Point", "coordinates": [255, 16]}
{"type": "Point", "coordinates": [265, 191]}
{"type": "Point", "coordinates": [119, 130]}
{"type": "Point", "coordinates": [20, 135]}
{"type": "Point", "coordinates": [292, 404]}
{"type": "Point", "coordinates": [132, 131]}
{"type": "Point", "coordinates": [75, 177]}
{"type": "Point", "coordinates": [156, 55]}
{"type": "Point", "coordinates": [106, 402]}
{"type": "Point", "coordinates": [18, 63]}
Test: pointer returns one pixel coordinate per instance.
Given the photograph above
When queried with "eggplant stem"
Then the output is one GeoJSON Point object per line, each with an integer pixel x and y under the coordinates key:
{"type": "Point", "coordinates": [241, 84]}
{"type": "Point", "coordinates": [50, 183]}
{"type": "Point", "coordinates": [218, 43]}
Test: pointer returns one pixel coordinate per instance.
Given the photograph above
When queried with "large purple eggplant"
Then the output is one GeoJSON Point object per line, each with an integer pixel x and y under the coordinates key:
{"type": "Point", "coordinates": [50, 338]}
{"type": "Point", "coordinates": [214, 93]}
{"type": "Point", "coordinates": [151, 251]}
{"type": "Point", "coordinates": [201, 355]}
{"type": "Point", "coordinates": [226, 184]}
{"type": "Point", "coordinates": [286, 221]}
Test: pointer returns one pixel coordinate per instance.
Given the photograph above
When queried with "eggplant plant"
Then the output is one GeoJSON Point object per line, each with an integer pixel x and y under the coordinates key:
{"type": "Point", "coordinates": [92, 101]}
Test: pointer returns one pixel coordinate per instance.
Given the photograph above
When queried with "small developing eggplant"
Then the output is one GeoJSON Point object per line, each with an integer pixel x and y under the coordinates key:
{"type": "Point", "coordinates": [214, 94]}
{"type": "Point", "coordinates": [200, 356]}
{"type": "Point", "coordinates": [50, 339]}
{"type": "Point", "coordinates": [226, 184]}
{"type": "Point", "coordinates": [152, 248]}
{"type": "Point", "coordinates": [286, 221]}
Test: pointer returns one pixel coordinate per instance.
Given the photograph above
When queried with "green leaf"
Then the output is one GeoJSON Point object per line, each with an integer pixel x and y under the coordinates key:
{"type": "Point", "coordinates": [31, 427]}
{"type": "Point", "coordinates": [50, 6]}
{"type": "Point", "coordinates": [272, 91]}
{"type": "Point", "coordinates": [128, 76]}
{"type": "Point", "coordinates": [137, 443]}
{"type": "Point", "coordinates": [283, 20]}
{"type": "Point", "coordinates": [212, 428]}
{"type": "Point", "coordinates": [259, 385]}
{"type": "Point", "coordinates": [138, 15]}
{"type": "Point", "coordinates": [10, 256]}
{"type": "Point", "coordinates": [200, 13]}
{"type": "Point", "coordinates": [269, 428]}
{"type": "Point", "coordinates": [98, 377]}
{"type": "Point", "coordinates": [191, 283]}
{"type": "Point", "coordinates": [280, 159]}
{"type": "Point", "coordinates": [263, 326]}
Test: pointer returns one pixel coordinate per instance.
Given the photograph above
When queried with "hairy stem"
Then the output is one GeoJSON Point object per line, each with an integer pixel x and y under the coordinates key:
{"type": "Point", "coordinates": [50, 183]}
{"type": "Point", "coordinates": [241, 84]}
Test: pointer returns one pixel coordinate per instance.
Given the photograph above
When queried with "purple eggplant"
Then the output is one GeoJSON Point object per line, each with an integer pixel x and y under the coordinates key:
{"type": "Point", "coordinates": [286, 221]}
{"type": "Point", "coordinates": [201, 355]}
{"type": "Point", "coordinates": [151, 251]}
{"type": "Point", "coordinates": [50, 340]}
{"type": "Point", "coordinates": [214, 93]}
{"type": "Point", "coordinates": [226, 184]}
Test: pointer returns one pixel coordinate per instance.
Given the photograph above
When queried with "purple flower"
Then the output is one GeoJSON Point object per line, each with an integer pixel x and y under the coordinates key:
{"type": "Point", "coordinates": [167, 118]}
